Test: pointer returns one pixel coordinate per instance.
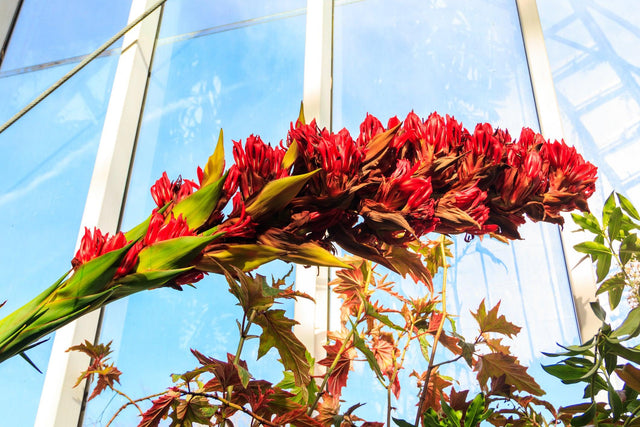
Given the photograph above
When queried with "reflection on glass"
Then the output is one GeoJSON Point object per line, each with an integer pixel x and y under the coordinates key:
{"type": "Point", "coordinates": [45, 168]}
{"type": "Point", "coordinates": [465, 59]}
{"type": "Point", "coordinates": [592, 47]}
{"type": "Point", "coordinates": [58, 29]}
{"type": "Point", "coordinates": [246, 81]}
{"type": "Point", "coordinates": [187, 16]}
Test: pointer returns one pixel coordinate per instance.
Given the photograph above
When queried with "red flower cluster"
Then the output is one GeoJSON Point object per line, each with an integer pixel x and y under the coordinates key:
{"type": "Point", "coordinates": [378, 192]}
{"type": "Point", "coordinates": [92, 245]}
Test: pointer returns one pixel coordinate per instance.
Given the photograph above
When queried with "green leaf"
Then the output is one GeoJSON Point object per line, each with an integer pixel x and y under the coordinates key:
{"type": "Point", "coordinates": [197, 208]}
{"type": "Point", "coordinates": [615, 296]}
{"type": "Point", "coordinates": [92, 277]}
{"type": "Point", "coordinates": [290, 156]}
{"type": "Point", "coordinates": [277, 331]}
{"type": "Point", "coordinates": [138, 232]}
{"type": "Point", "coordinates": [587, 221]}
{"type": "Point", "coordinates": [370, 310]}
{"type": "Point", "coordinates": [598, 310]}
{"type": "Point", "coordinates": [172, 254]}
{"type": "Point", "coordinates": [568, 374]}
{"type": "Point", "coordinates": [628, 248]}
{"type": "Point", "coordinates": [214, 168]}
{"type": "Point", "coordinates": [585, 418]}
{"type": "Point", "coordinates": [402, 423]}
{"type": "Point", "coordinates": [150, 279]}
{"type": "Point", "coordinates": [371, 359]}
{"type": "Point", "coordinates": [475, 412]}
{"type": "Point", "coordinates": [615, 402]}
{"type": "Point", "coordinates": [628, 207]}
{"type": "Point", "coordinates": [245, 257]}
{"type": "Point", "coordinates": [244, 375]}
{"type": "Point", "coordinates": [310, 253]}
{"type": "Point", "coordinates": [614, 282]}
{"type": "Point", "coordinates": [630, 328]}
{"type": "Point", "coordinates": [630, 354]}
{"type": "Point", "coordinates": [603, 265]}
{"type": "Point", "coordinates": [607, 209]}
{"type": "Point", "coordinates": [615, 221]}
{"type": "Point", "coordinates": [592, 248]}
{"type": "Point", "coordinates": [277, 194]}
{"type": "Point", "coordinates": [453, 417]}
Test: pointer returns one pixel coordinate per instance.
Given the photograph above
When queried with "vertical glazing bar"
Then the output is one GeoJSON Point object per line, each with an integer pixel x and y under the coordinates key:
{"type": "Point", "coordinates": [61, 404]}
{"type": "Point", "coordinates": [312, 317]}
{"type": "Point", "coordinates": [581, 276]}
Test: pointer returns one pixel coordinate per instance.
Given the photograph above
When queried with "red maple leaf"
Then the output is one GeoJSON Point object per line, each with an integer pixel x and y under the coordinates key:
{"type": "Point", "coordinates": [159, 409]}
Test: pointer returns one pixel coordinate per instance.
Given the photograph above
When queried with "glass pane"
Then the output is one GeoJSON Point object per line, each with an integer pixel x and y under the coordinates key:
{"type": "Point", "coordinates": [45, 168]}
{"type": "Point", "coordinates": [464, 59]}
{"type": "Point", "coordinates": [248, 80]}
{"type": "Point", "coordinates": [592, 47]}
{"type": "Point", "coordinates": [186, 16]}
{"type": "Point", "coordinates": [59, 29]}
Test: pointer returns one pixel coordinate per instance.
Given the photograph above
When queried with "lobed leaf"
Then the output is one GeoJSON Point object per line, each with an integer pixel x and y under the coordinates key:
{"type": "Point", "coordinates": [277, 331]}
{"type": "Point", "coordinates": [490, 322]}
{"type": "Point", "coordinates": [494, 365]}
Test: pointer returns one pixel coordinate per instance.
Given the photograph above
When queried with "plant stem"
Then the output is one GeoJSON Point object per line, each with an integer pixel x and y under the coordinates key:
{"type": "Point", "coordinates": [431, 366]}
{"type": "Point", "coordinates": [131, 402]}
{"type": "Point", "coordinates": [342, 349]}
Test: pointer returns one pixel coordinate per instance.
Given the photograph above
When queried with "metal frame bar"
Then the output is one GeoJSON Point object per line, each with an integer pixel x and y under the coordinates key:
{"type": "Point", "coordinates": [312, 317]}
{"type": "Point", "coordinates": [61, 404]}
{"type": "Point", "coordinates": [581, 277]}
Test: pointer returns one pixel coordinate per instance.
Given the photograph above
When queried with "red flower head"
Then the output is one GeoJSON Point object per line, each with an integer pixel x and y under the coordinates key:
{"type": "Point", "coordinates": [337, 155]}
{"type": "Point", "coordinates": [257, 163]}
{"type": "Point", "coordinates": [239, 224]}
{"type": "Point", "coordinates": [571, 178]}
{"type": "Point", "coordinates": [95, 244]}
{"type": "Point", "coordinates": [484, 149]}
{"type": "Point", "coordinates": [165, 191]}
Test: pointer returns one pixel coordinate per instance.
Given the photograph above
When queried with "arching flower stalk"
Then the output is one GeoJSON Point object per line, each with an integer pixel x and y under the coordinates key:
{"type": "Point", "coordinates": [374, 195]}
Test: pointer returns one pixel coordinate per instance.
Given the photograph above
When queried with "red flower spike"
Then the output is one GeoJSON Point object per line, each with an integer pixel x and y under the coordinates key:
{"type": "Point", "coordinates": [165, 191]}
{"type": "Point", "coordinates": [257, 163]}
{"type": "Point", "coordinates": [95, 244]}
